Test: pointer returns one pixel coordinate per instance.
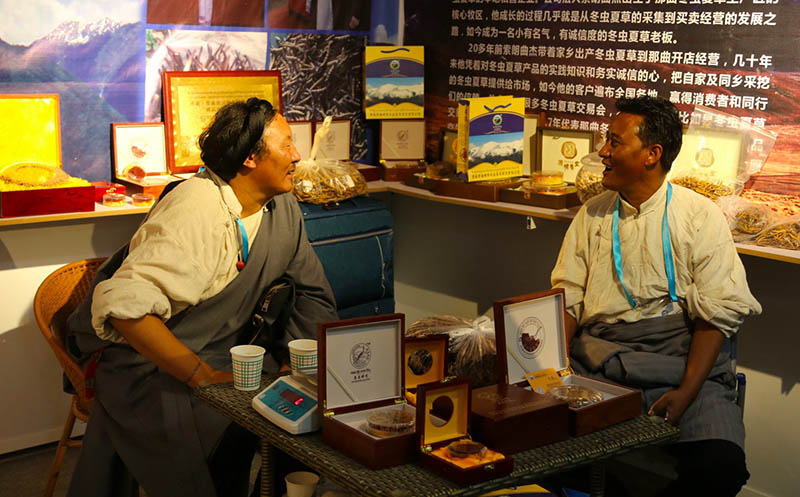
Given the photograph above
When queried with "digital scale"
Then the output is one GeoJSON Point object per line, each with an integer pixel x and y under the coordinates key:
{"type": "Point", "coordinates": [291, 403]}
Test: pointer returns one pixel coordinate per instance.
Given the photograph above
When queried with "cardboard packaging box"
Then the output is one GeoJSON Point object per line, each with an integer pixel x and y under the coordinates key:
{"type": "Point", "coordinates": [394, 82]}
{"type": "Point", "coordinates": [360, 373]}
{"type": "Point", "coordinates": [438, 431]}
{"type": "Point", "coordinates": [31, 179]}
{"type": "Point", "coordinates": [426, 362]}
{"type": "Point", "coordinates": [531, 337]}
{"type": "Point", "coordinates": [490, 138]}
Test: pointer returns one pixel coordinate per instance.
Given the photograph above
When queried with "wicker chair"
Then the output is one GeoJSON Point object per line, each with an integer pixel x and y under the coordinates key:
{"type": "Point", "coordinates": [58, 295]}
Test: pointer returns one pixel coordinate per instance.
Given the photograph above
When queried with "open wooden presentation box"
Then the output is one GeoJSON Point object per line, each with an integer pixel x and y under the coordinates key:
{"type": "Point", "coordinates": [361, 372]}
{"type": "Point", "coordinates": [140, 158]}
{"type": "Point", "coordinates": [531, 337]}
{"type": "Point", "coordinates": [425, 362]}
{"type": "Point", "coordinates": [442, 418]}
{"type": "Point", "coordinates": [30, 153]}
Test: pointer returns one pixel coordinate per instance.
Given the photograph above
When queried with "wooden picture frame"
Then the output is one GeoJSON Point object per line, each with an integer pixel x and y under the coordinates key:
{"type": "Point", "coordinates": [715, 152]}
{"type": "Point", "coordinates": [336, 144]}
{"type": "Point", "coordinates": [191, 98]}
{"type": "Point", "coordinates": [139, 144]}
{"type": "Point", "coordinates": [562, 149]}
{"type": "Point", "coordinates": [402, 139]}
{"type": "Point", "coordinates": [303, 137]}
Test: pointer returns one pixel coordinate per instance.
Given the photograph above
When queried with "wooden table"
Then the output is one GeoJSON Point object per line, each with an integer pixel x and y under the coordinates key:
{"type": "Point", "coordinates": [411, 479]}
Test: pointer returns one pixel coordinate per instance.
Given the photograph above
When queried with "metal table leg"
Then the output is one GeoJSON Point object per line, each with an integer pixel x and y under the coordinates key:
{"type": "Point", "coordinates": [597, 480]}
{"type": "Point", "coordinates": [267, 469]}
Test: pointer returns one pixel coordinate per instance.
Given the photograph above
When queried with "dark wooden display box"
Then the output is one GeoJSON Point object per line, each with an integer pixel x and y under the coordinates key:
{"type": "Point", "coordinates": [419, 180]}
{"type": "Point", "coordinates": [371, 173]}
{"type": "Point", "coordinates": [457, 427]}
{"type": "Point", "coordinates": [511, 419]}
{"type": "Point", "coordinates": [519, 195]}
{"type": "Point", "coordinates": [47, 201]}
{"type": "Point", "coordinates": [620, 403]}
{"type": "Point", "coordinates": [341, 424]}
{"type": "Point", "coordinates": [400, 173]}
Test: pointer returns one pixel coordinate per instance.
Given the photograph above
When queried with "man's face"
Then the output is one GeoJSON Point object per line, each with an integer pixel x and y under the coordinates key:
{"type": "Point", "coordinates": [275, 165]}
{"type": "Point", "coordinates": [623, 154]}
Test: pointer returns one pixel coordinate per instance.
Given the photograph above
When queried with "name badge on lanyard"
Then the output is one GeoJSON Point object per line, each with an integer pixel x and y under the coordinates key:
{"type": "Point", "coordinates": [666, 246]}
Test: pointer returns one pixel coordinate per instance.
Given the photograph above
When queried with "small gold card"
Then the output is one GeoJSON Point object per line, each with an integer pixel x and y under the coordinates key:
{"type": "Point", "coordinates": [542, 381]}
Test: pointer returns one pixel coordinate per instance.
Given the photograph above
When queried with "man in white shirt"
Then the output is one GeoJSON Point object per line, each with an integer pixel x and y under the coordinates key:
{"type": "Point", "coordinates": [165, 312]}
{"type": "Point", "coordinates": [654, 287]}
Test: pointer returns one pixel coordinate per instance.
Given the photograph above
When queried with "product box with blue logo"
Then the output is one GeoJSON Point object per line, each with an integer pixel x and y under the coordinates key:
{"type": "Point", "coordinates": [394, 86]}
{"type": "Point", "coordinates": [490, 138]}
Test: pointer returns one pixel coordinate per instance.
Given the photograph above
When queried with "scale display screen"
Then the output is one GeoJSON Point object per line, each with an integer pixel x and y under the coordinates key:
{"type": "Point", "coordinates": [291, 396]}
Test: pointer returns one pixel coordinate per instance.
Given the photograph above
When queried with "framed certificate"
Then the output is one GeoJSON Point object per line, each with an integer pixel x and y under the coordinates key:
{"type": "Point", "coordinates": [562, 149]}
{"type": "Point", "coordinates": [717, 153]}
{"type": "Point", "coordinates": [140, 145]}
{"type": "Point", "coordinates": [191, 99]}
{"type": "Point", "coordinates": [447, 146]}
{"type": "Point", "coordinates": [302, 136]}
{"type": "Point", "coordinates": [336, 144]}
{"type": "Point", "coordinates": [530, 125]}
{"type": "Point", "coordinates": [402, 139]}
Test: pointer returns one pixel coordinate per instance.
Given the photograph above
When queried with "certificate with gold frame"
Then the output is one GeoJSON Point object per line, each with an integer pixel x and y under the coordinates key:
{"type": "Point", "coordinates": [191, 98]}
{"type": "Point", "coordinates": [402, 139]}
{"type": "Point", "coordinates": [711, 153]}
{"type": "Point", "coordinates": [562, 149]}
{"type": "Point", "coordinates": [302, 137]}
{"type": "Point", "coordinates": [139, 145]}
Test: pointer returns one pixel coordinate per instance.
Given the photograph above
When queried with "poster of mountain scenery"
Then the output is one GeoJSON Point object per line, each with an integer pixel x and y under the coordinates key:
{"type": "Point", "coordinates": [569, 60]}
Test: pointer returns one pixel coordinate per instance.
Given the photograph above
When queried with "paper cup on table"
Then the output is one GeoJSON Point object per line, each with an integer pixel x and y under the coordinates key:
{"type": "Point", "coordinates": [301, 483]}
{"type": "Point", "coordinates": [247, 362]}
{"type": "Point", "coordinates": [303, 356]}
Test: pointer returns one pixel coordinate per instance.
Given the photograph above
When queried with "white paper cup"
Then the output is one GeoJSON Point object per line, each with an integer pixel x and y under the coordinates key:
{"type": "Point", "coordinates": [303, 356]}
{"type": "Point", "coordinates": [301, 483]}
{"type": "Point", "coordinates": [247, 362]}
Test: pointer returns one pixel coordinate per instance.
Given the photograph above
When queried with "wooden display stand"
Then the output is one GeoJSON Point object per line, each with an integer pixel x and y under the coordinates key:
{"type": "Point", "coordinates": [520, 195]}
{"type": "Point", "coordinates": [360, 371]}
{"type": "Point", "coordinates": [541, 317]}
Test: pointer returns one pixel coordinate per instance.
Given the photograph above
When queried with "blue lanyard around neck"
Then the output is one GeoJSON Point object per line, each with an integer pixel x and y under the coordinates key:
{"type": "Point", "coordinates": [666, 245]}
{"type": "Point", "coordinates": [243, 240]}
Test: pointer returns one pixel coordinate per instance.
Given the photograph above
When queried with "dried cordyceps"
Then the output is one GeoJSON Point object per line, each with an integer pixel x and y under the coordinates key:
{"type": "Point", "coordinates": [323, 75]}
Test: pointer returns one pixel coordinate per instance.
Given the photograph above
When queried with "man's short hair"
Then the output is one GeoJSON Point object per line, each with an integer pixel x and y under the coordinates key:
{"type": "Point", "coordinates": [661, 125]}
{"type": "Point", "coordinates": [235, 133]}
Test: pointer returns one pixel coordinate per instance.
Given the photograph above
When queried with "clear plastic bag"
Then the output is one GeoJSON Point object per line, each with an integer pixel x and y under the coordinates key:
{"type": "Point", "coordinates": [783, 234]}
{"type": "Point", "coordinates": [589, 180]}
{"type": "Point", "coordinates": [327, 180]}
{"type": "Point", "coordinates": [745, 219]}
{"type": "Point", "coordinates": [472, 351]}
{"type": "Point", "coordinates": [720, 152]}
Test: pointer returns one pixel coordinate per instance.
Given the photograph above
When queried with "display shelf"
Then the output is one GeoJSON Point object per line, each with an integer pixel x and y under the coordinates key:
{"type": "Point", "coordinates": [790, 256]}
{"type": "Point", "coordinates": [100, 210]}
